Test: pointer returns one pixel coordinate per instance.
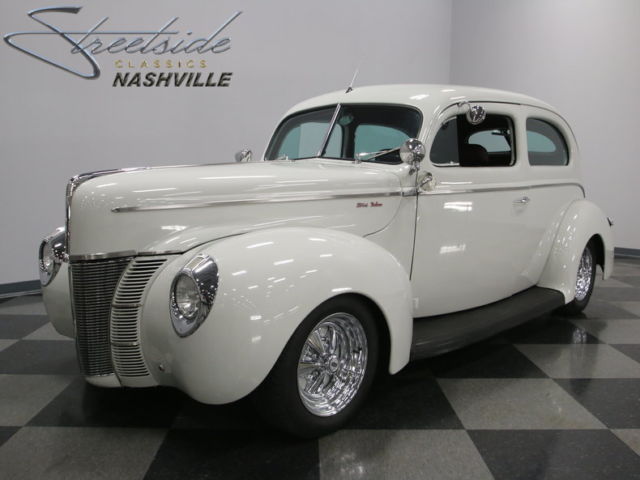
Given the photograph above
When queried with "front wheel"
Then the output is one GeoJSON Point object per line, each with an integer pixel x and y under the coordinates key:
{"type": "Point", "coordinates": [324, 372]}
{"type": "Point", "coordinates": [584, 282]}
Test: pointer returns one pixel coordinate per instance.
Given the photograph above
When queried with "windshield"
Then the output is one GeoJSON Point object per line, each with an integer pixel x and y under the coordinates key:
{"type": "Point", "coordinates": [362, 132]}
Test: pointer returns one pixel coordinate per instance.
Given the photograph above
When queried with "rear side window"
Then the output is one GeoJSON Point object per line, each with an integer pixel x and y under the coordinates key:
{"type": "Point", "coordinates": [460, 144]}
{"type": "Point", "coordinates": [545, 144]}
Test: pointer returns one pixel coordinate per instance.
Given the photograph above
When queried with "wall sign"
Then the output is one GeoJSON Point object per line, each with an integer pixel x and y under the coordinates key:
{"type": "Point", "coordinates": [158, 65]}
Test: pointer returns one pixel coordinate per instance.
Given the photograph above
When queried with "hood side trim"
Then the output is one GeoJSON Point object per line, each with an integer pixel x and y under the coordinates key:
{"type": "Point", "coordinates": [261, 200]}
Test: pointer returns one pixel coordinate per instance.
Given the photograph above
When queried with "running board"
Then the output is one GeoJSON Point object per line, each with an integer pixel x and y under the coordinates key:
{"type": "Point", "coordinates": [443, 333]}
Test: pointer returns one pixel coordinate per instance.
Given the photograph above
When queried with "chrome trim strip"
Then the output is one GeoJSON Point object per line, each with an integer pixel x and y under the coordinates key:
{"type": "Point", "coordinates": [124, 253]}
{"type": "Point", "coordinates": [164, 252]}
{"type": "Point", "coordinates": [125, 344]}
{"type": "Point", "coordinates": [502, 189]}
{"type": "Point", "coordinates": [254, 201]}
{"type": "Point", "coordinates": [102, 256]}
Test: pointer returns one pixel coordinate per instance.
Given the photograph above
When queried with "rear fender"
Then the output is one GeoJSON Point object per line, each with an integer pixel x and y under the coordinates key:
{"type": "Point", "coordinates": [582, 221]}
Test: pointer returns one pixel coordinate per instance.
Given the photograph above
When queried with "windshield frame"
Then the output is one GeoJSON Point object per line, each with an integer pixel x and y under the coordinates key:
{"type": "Point", "coordinates": [336, 113]}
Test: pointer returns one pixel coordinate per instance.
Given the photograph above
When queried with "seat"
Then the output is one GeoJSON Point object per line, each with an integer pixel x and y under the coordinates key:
{"type": "Point", "coordinates": [472, 155]}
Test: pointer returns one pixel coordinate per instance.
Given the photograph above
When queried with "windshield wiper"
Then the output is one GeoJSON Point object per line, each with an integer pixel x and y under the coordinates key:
{"type": "Point", "coordinates": [372, 155]}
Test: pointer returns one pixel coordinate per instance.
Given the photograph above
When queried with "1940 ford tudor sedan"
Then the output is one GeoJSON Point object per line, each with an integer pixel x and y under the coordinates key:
{"type": "Point", "coordinates": [383, 224]}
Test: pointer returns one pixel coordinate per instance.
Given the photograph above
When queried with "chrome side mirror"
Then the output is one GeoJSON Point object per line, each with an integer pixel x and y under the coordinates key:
{"type": "Point", "coordinates": [476, 114]}
{"type": "Point", "coordinates": [412, 152]}
{"type": "Point", "coordinates": [243, 156]}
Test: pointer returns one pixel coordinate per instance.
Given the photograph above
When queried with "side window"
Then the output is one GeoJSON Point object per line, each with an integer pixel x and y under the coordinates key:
{"type": "Point", "coordinates": [489, 144]}
{"type": "Point", "coordinates": [545, 144]}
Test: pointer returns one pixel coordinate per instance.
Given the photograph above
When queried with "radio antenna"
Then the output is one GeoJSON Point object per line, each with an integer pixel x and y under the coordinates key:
{"type": "Point", "coordinates": [350, 87]}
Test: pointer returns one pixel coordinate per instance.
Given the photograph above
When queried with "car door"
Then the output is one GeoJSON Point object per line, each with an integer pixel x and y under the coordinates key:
{"type": "Point", "coordinates": [552, 172]}
{"type": "Point", "coordinates": [470, 247]}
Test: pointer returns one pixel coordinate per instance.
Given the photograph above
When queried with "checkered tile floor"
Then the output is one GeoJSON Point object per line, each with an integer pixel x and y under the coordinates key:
{"type": "Point", "coordinates": [556, 398]}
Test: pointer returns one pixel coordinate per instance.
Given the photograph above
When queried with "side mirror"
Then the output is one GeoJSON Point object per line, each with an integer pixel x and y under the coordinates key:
{"type": "Point", "coordinates": [412, 152]}
{"type": "Point", "coordinates": [244, 156]}
{"type": "Point", "coordinates": [476, 114]}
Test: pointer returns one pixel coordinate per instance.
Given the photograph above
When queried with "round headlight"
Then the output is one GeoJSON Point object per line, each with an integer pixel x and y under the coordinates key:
{"type": "Point", "coordinates": [51, 254]}
{"type": "Point", "coordinates": [187, 296]}
{"type": "Point", "coordinates": [192, 294]}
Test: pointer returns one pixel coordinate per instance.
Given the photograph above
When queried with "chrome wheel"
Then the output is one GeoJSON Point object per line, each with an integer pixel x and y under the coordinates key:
{"type": "Point", "coordinates": [332, 364]}
{"type": "Point", "coordinates": [585, 275]}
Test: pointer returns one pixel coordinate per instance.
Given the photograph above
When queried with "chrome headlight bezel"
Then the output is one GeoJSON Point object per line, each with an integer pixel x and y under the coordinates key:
{"type": "Point", "coordinates": [203, 271]}
{"type": "Point", "coordinates": [51, 254]}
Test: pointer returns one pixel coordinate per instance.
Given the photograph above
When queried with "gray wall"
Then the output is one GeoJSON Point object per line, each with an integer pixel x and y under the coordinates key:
{"type": "Point", "coordinates": [55, 125]}
{"type": "Point", "coordinates": [583, 57]}
{"type": "Point", "coordinates": [580, 55]}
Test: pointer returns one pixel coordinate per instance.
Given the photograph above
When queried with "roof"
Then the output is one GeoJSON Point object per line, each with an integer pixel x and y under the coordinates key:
{"type": "Point", "coordinates": [426, 97]}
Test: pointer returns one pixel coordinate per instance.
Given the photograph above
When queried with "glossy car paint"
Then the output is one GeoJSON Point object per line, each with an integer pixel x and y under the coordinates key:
{"type": "Point", "coordinates": [582, 221]}
{"type": "Point", "coordinates": [473, 245]}
{"type": "Point", "coordinates": [473, 233]}
{"type": "Point", "coordinates": [175, 209]}
{"type": "Point", "coordinates": [269, 281]}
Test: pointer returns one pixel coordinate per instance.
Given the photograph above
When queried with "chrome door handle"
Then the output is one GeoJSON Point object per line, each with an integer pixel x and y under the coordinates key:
{"type": "Point", "coordinates": [522, 200]}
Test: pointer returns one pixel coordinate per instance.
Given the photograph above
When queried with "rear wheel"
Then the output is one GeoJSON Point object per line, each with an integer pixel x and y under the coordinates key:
{"type": "Point", "coordinates": [324, 372]}
{"type": "Point", "coordinates": [584, 282]}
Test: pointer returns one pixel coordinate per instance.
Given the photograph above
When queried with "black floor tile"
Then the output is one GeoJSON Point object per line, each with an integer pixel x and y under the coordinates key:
{"type": "Point", "coordinates": [615, 402]}
{"type": "Point", "coordinates": [42, 357]}
{"type": "Point", "coordinates": [550, 330]}
{"type": "Point", "coordinates": [617, 294]}
{"type": "Point", "coordinates": [485, 360]}
{"type": "Point", "coordinates": [601, 310]}
{"type": "Point", "coordinates": [83, 405]}
{"type": "Point", "coordinates": [556, 454]}
{"type": "Point", "coordinates": [412, 399]}
{"type": "Point", "coordinates": [6, 433]}
{"type": "Point", "coordinates": [240, 415]}
{"type": "Point", "coordinates": [203, 454]}
{"type": "Point", "coordinates": [630, 350]}
{"type": "Point", "coordinates": [19, 326]}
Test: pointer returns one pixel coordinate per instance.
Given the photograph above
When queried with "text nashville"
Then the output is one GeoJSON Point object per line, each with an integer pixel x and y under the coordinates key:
{"type": "Point", "coordinates": [174, 79]}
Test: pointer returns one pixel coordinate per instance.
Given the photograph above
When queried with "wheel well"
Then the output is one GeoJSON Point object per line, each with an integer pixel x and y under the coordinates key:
{"type": "Point", "coordinates": [383, 329]}
{"type": "Point", "coordinates": [598, 245]}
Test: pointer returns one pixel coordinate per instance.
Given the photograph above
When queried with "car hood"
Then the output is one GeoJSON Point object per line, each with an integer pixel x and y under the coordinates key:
{"type": "Point", "coordinates": [173, 209]}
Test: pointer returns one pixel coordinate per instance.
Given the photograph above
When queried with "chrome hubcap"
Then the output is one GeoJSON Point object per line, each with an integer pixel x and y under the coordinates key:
{"type": "Point", "coordinates": [332, 364]}
{"type": "Point", "coordinates": [585, 270]}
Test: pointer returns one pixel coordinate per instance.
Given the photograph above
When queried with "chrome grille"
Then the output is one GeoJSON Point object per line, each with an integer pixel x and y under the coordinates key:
{"type": "Point", "coordinates": [126, 310]}
{"type": "Point", "coordinates": [93, 285]}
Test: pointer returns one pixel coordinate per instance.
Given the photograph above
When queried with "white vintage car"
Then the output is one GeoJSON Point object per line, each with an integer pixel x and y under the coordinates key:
{"type": "Point", "coordinates": [383, 224]}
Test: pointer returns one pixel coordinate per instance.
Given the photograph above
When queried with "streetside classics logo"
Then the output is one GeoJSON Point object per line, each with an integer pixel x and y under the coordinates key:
{"type": "Point", "coordinates": [98, 40]}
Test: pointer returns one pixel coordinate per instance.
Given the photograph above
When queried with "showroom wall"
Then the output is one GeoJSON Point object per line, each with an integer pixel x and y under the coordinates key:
{"type": "Point", "coordinates": [582, 57]}
{"type": "Point", "coordinates": [56, 123]}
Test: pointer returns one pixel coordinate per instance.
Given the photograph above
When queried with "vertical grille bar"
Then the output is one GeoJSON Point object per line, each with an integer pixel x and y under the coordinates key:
{"type": "Point", "coordinates": [93, 285]}
{"type": "Point", "coordinates": [125, 316]}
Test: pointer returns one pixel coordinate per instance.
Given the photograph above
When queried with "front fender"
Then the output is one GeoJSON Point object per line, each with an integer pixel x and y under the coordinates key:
{"type": "Point", "coordinates": [269, 281]}
{"type": "Point", "coordinates": [581, 222]}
